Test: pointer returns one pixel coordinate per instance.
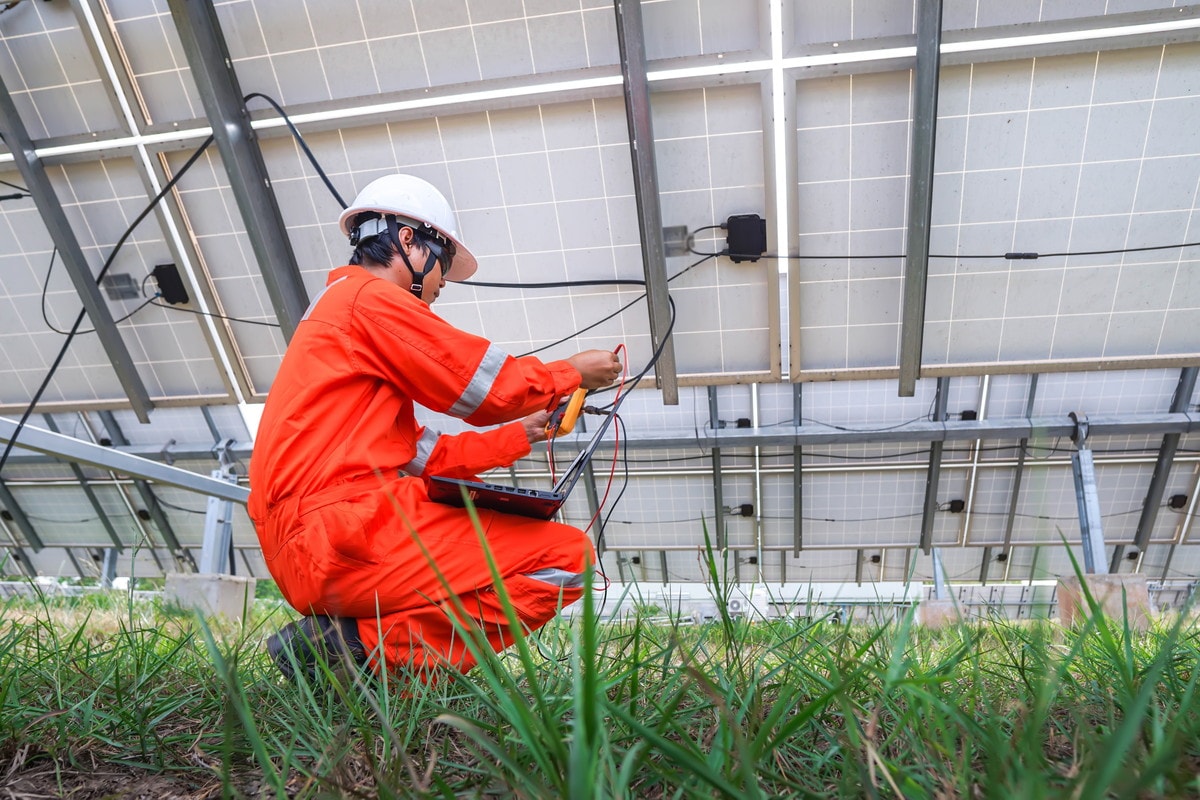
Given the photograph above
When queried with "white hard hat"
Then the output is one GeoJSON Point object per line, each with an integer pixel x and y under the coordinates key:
{"type": "Point", "coordinates": [417, 204]}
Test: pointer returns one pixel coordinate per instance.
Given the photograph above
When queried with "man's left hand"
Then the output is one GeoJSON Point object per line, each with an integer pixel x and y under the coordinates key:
{"type": "Point", "coordinates": [535, 426]}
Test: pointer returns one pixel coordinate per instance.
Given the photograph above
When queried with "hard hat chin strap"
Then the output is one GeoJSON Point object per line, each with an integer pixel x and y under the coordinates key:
{"type": "Point", "coordinates": [418, 278]}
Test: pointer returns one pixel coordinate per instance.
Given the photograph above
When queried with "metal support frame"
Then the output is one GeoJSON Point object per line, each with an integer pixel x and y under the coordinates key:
{"type": "Point", "coordinates": [1185, 523]}
{"type": "Point", "coordinates": [217, 545]}
{"type": "Point", "coordinates": [1087, 498]}
{"type": "Point", "coordinates": [593, 501]}
{"type": "Point", "coordinates": [135, 466]}
{"type": "Point", "coordinates": [933, 475]}
{"type": "Point", "coordinates": [984, 564]}
{"type": "Point", "coordinates": [940, 591]}
{"type": "Point", "coordinates": [19, 518]}
{"type": "Point", "coordinates": [920, 191]}
{"type": "Point", "coordinates": [178, 551]}
{"type": "Point", "coordinates": [718, 489]}
{"type": "Point", "coordinates": [204, 45]}
{"type": "Point", "coordinates": [16, 137]}
{"type": "Point", "coordinates": [759, 531]}
{"type": "Point", "coordinates": [108, 568]}
{"type": "Point", "coordinates": [632, 46]}
{"type": "Point", "coordinates": [1162, 467]}
{"type": "Point", "coordinates": [798, 477]}
{"type": "Point", "coordinates": [90, 493]}
{"type": "Point", "coordinates": [1018, 475]}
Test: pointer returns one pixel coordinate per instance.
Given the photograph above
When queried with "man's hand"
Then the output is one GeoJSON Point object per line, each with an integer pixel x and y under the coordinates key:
{"type": "Point", "coordinates": [599, 368]}
{"type": "Point", "coordinates": [535, 426]}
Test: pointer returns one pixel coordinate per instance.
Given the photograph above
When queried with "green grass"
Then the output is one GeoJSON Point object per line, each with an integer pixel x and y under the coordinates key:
{"type": "Point", "coordinates": [99, 696]}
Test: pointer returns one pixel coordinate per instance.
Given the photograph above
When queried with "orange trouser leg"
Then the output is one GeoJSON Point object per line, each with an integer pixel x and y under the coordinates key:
{"type": "Point", "coordinates": [393, 559]}
{"type": "Point", "coordinates": [379, 554]}
{"type": "Point", "coordinates": [423, 639]}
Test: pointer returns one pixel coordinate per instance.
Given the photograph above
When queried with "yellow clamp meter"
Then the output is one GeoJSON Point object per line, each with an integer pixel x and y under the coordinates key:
{"type": "Point", "coordinates": [562, 419]}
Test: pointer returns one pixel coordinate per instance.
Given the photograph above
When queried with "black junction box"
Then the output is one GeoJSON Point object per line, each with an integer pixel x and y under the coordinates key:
{"type": "Point", "coordinates": [746, 237]}
{"type": "Point", "coordinates": [170, 284]}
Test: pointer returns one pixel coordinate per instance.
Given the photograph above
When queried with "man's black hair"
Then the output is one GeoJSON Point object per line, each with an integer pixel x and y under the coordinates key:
{"type": "Point", "coordinates": [378, 249]}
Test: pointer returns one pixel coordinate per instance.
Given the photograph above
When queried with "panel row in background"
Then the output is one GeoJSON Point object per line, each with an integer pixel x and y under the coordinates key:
{"type": "Point", "coordinates": [963, 565]}
{"type": "Point", "coordinates": [967, 565]}
{"type": "Point", "coordinates": [873, 406]}
{"type": "Point", "coordinates": [856, 506]}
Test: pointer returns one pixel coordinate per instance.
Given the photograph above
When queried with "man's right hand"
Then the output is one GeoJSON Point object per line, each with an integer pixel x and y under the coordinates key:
{"type": "Point", "coordinates": [599, 368]}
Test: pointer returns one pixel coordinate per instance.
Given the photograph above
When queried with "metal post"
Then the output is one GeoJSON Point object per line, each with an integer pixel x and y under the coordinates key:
{"type": "Point", "coordinates": [632, 45]}
{"type": "Point", "coordinates": [939, 576]}
{"type": "Point", "coordinates": [204, 44]}
{"type": "Point", "coordinates": [718, 489]}
{"type": "Point", "coordinates": [984, 563]}
{"type": "Point", "coordinates": [798, 477]}
{"type": "Point", "coordinates": [1018, 474]}
{"type": "Point", "coordinates": [920, 194]}
{"type": "Point", "coordinates": [1162, 467]}
{"type": "Point", "coordinates": [933, 476]}
{"type": "Point", "coordinates": [218, 522]}
{"type": "Point", "coordinates": [108, 568]}
{"type": "Point", "coordinates": [1087, 498]}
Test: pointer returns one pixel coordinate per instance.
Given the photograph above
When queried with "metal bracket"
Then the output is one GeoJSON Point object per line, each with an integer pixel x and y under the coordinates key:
{"type": "Point", "coordinates": [223, 452]}
{"type": "Point", "coordinates": [217, 550]}
{"type": "Point", "coordinates": [1087, 498]}
{"type": "Point", "coordinates": [167, 456]}
{"type": "Point", "coordinates": [1080, 434]}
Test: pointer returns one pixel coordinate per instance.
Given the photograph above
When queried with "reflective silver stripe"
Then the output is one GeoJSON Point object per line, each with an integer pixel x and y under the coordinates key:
{"type": "Point", "coordinates": [557, 577]}
{"type": "Point", "coordinates": [481, 383]}
{"type": "Point", "coordinates": [321, 294]}
{"type": "Point", "coordinates": [425, 445]}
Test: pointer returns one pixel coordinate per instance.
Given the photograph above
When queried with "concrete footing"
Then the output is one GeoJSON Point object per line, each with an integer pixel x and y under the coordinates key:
{"type": "Point", "coordinates": [228, 596]}
{"type": "Point", "coordinates": [1116, 595]}
{"type": "Point", "coordinates": [936, 614]}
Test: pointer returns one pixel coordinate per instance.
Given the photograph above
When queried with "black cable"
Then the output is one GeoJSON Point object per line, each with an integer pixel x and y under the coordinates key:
{"type": "Point", "coordinates": [46, 287]}
{"type": "Point", "coordinates": [653, 359]}
{"type": "Point", "coordinates": [15, 186]}
{"type": "Point", "coordinates": [624, 484]}
{"type": "Point", "coordinates": [866, 430]}
{"type": "Point", "coordinates": [1118, 252]}
{"type": "Point", "coordinates": [99, 277]}
{"type": "Point", "coordinates": [692, 236]}
{"type": "Point", "coordinates": [303, 144]}
{"type": "Point", "coordinates": [562, 284]}
{"type": "Point", "coordinates": [556, 284]}
{"type": "Point", "coordinates": [160, 501]}
{"type": "Point", "coordinates": [214, 314]}
{"type": "Point", "coordinates": [573, 334]}
{"type": "Point", "coordinates": [1011, 256]}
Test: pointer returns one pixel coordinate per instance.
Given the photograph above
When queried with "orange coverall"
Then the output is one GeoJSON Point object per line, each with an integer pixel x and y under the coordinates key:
{"type": "Point", "coordinates": [337, 477]}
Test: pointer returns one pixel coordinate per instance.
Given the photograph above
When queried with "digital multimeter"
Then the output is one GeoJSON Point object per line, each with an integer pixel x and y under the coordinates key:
{"type": "Point", "coordinates": [562, 419]}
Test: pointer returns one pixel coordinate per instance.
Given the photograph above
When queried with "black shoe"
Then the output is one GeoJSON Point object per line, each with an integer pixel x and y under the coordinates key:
{"type": "Point", "coordinates": [300, 644]}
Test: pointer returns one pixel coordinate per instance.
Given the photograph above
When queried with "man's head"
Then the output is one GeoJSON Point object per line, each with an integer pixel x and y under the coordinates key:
{"type": "Point", "coordinates": [404, 222]}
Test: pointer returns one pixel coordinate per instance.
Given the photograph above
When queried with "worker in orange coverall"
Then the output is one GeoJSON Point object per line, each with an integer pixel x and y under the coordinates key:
{"type": "Point", "coordinates": [340, 464]}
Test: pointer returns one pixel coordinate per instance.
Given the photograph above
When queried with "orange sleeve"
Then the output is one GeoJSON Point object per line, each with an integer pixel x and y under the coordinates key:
{"type": "Point", "coordinates": [465, 455]}
{"type": "Point", "coordinates": [445, 369]}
